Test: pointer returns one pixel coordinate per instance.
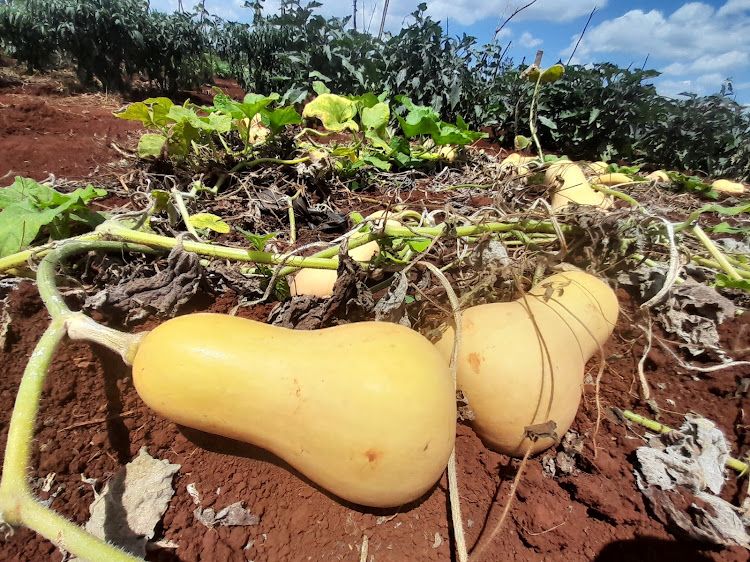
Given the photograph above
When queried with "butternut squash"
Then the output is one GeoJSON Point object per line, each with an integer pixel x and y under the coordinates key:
{"type": "Point", "coordinates": [365, 410]}
{"type": "Point", "coordinates": [320, 282]}
{"type": "Point", "coordinates": [727, 186]}
{"type": "Point", "coordinates": [571, 186]}
{"type": "Point", "coordinates": [522, 363]}
{"type": "Point", "coordinates": [658, 175]}
{"type": "Point", "coordinates": [614, 178]}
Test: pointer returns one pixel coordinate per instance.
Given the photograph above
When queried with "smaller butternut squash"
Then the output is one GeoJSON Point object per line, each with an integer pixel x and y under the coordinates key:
{"type": "Point", "coordinates": [521, 363]}
{"type": "Point", "coordinates": [614, 178]}
{"type": "Point", "coordinates": [729, 187]}
{"type": "Point", "coordinates": [571, 186]}
{"type": "Point", "coordinates": [518, 163]}
{"type": "Point", "coordinates": [658, 175]}
{"type": "Point", "coordinates": [319, 282]}
{"type": "Point", "coordinates": [597, 168]}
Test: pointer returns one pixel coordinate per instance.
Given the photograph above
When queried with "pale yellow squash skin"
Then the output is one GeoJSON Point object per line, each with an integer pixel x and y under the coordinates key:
{"type": "Point", "coordinates": [585, 304]}
{"type": "Point", "coordinates": [522, 363]}
{"type": "Point", "coordinates": [658, 175]}
{"type": "Point", "coordinates": [320, 282]}
{"type": "Point", "coordinates": [597, 168]}
{"type": "Point", "coordinates": [614, 178]}
{"type": "Point", "coordinates": [518, 163]}
{"type": "Point", "coordinates": [727, 186]}
{"type": "Point", "coordinates": [571, 186]}
{"type": "Point", "coordinates": [514, 376]}
{"type": "Point", "coordinates": [365, 410]}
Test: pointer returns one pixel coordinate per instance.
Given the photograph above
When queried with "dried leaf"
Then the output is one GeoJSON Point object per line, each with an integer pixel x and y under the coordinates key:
{"type": "Point", "coordinates": [132, 503]}
{"type": "Point", "coordinates": [232, 515]}
{"type": "Point", "coordinates": [680, 472]}
{"type": "Point", "coordinates": [351, 301]}
{"type": "Point", "coordinates": [163, 294]}
{"type": "Point", "coordinates": [392, 307]}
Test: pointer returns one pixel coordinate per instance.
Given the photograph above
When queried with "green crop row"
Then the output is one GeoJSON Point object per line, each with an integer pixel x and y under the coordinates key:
{"type": "Point", "coordinates": [598, 112]}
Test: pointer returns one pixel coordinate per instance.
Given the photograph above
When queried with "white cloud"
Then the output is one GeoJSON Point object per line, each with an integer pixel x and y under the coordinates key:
{"type": "Point", "coordinates": [724, 62]}
{"type": "Point", "coordinates": [697, 45]}
{"type": "Point", "coordinates": [695, 29]}
{"type": "Point", "coordinates": [528, 40]}
{"type": "Point", "coordinates": [468, 12]}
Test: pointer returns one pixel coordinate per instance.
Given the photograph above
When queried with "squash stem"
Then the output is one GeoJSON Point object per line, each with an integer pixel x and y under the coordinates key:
{"type": "Point", "coordinates": [618, 194]}
{"type": "Point", "coordinates": [78, 325]}
{"type": "Point", "coordinates": [21, 259]}
{"type": "Point", "coordinates": [17, 504]}
{"type": "Point", "coordinates": [716, 253]}
{"type": "Point", "coordinates": [657, 427]}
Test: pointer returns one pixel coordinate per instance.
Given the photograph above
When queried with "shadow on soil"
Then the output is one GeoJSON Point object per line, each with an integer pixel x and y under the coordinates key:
{"type": "Point", "coordinates": [651, 549]}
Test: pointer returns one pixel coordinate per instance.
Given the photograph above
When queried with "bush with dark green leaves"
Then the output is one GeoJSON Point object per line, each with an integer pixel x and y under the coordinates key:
{"type": "Point", "coordinates": [105, 40]}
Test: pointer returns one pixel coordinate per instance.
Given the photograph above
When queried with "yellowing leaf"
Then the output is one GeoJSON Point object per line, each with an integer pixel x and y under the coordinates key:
{"type": "Point", "coordinates": [335, 112]}
{"type": "Point", "coordinates": [210, 222]}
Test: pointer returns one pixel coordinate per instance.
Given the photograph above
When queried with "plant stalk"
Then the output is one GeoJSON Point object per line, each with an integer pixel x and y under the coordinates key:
{"type": "Point", "coordinates": [716, 253]}
{"type": "Point", "coordinates": [115, 230]}
{"type": "Point", "coordinates": [657, 427]}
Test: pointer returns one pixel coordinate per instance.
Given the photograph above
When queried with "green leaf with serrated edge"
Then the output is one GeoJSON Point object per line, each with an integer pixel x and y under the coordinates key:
{"type": "Point", "coordinates": [23, 189]}
{"type": "Point", "coordinates": [218, 123]}
{"type": "Point", "coordinates": [210, 222]}
{"type": "Point", "coordinates": [136, 112]}
{"type": "Point", "coordinates": [418, 244]}
{"type": "Point", "coordinates": [228, 106]}
{"type": "Point", "coordinates": [420, 120]}
{"type": "Point", "coordinates": [376, 116]}
{"type": "Point", "coordinates": [547, 122]}
{"type": "Point", "coordinates": [43, 196]}
{"type": "Point", "coordinates": [335, 112]}
{"type": "Point", "coordinates": [374, 121]}
{"type": "Point", "coordinates": [254, 104]}
{"type": "Point", "coordinates": [257, 240]}
{"type": "Point", "coordinates": [161, 200]}
{"type": "Point", "coordinates": [277, 119]}
{"type": "Point", "coordinates": [180, 114]}
{"type": "Point", "coordinates": [151, 144]}
{"type": "Point", "coordinates": [365, 100]}
{"type": "Point", "coordinates": [723, 280]}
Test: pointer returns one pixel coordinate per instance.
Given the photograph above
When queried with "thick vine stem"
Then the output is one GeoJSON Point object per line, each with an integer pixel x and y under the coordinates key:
{"type": "Point", "coordinates": [115, 230]}
{"type": "Point", "coordinates": [21, 259]}
{"type": "Point", "coordinates": [716, 253]}
{"type": "Point", "coordinates": [17, 504]}
{"type": "Point", "coordinates": [657, 427]}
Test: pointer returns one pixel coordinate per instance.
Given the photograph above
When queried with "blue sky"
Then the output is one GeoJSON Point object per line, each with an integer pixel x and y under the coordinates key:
{"type": "Point", "coordinates": [695, 45]}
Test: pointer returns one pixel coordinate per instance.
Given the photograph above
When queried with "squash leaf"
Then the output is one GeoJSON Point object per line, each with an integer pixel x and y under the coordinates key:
{"type": "Point", "coordinates": [210, 222]}
{"type": "Point", "coordinates": [335, 112]}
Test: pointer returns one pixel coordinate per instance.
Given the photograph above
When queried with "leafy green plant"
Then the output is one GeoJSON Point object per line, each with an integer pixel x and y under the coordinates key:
{"type": "Point", "coordinates": [30, 208]}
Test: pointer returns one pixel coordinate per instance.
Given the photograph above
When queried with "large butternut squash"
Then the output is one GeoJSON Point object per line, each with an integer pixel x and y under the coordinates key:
{"type": "Point", "coordinates": [365, 410]}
